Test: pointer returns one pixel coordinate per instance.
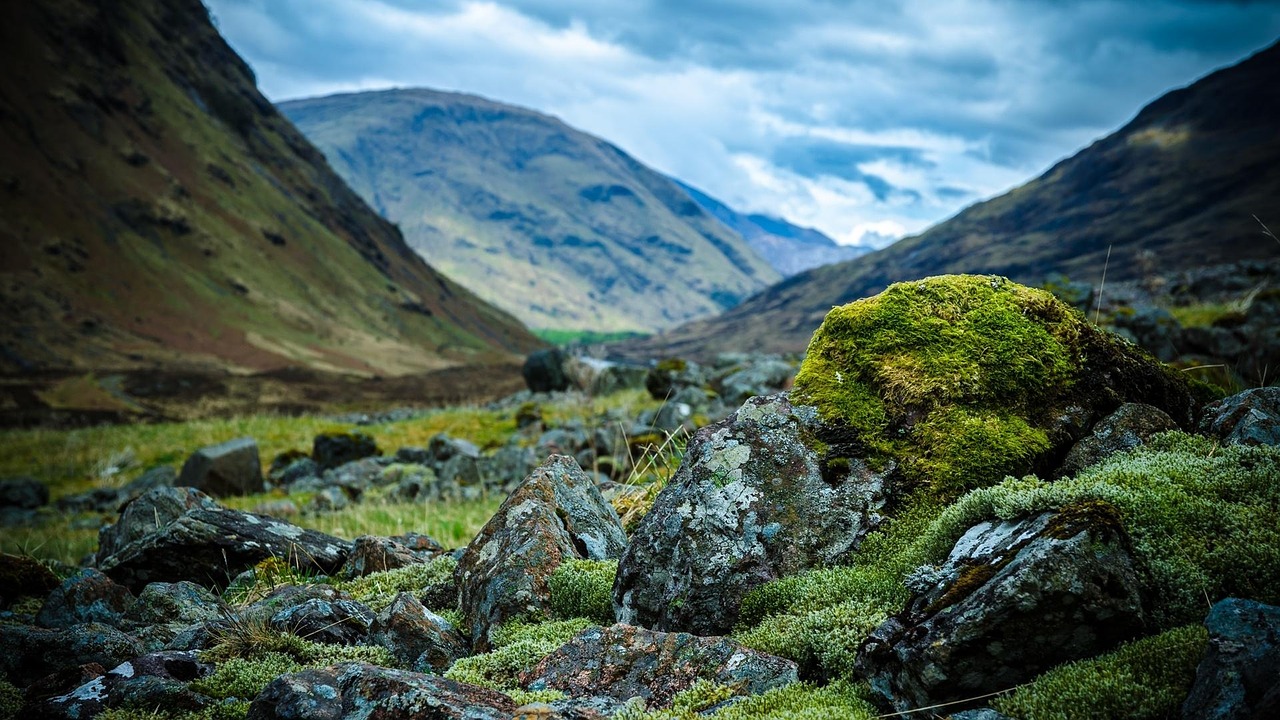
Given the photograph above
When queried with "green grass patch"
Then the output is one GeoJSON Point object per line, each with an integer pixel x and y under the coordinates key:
{"type": "Point", "coordinates": [570, 337]}
{"type": "Point", "coordinates": [517, 646]}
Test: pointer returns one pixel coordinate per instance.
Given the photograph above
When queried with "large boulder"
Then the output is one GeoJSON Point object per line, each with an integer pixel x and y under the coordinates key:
{"type": "Point", "coordinates": [753, 501]}
{"type": "Point", "coordinates": [356, 691]}
{"type": "Point", "coordinates": [1248, 418]}
{"type": "Point", "coordinates": [623, 661]}
{"type": "Point", "coordinates": [556, 514]}
{"type": "Point", "coordinates": [208, 544]}
{"type": "Point", "coordinates": [1239, 677]}
{"type": "Point", "coordinates": [147, 513]}
{"type": "Point", "coordinates": [544, 371]}
{"type": "Point", "coordinates": [29, 653]}
{"type": "Point", "coordinates": [1012, 600]}
{"type": "Point", "coordinates": [1131, 425]}
{"type": "Point", "coordinates": [87, 596]}
{"type": "Point", "coordinates": [229, 468]}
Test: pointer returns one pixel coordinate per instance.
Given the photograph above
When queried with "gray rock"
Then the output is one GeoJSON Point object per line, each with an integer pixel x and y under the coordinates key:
{"type": "Point", "coordinates": [229, 468]}
{"type": "Point", "coordinates": [624, 661]}
{"type": "Point", "coordinates": [29, 653]}
{"type": "Point", "coordinates": [163, 610]}
{"type": "Point", "coordinates": [672, 376]}
{"type": "Point", "coordinates": [596, 377]}
{"type": "Point", "coordinates": [26, 493]}
{"type": "Point", "coordinates": [508, 467]}
{"type": "Point", "coordinates": [88, 596]}
{"type": "Point", "coordinates": [331, 450]}
{"type": "Point", "coordinates": [337, 622]}
{"type": "Point", "coordinates": [443, 448]}
{"type": "Point", "coordinates": [371, 554]}
{"type": "Point", "coordinates": [108, 499]}
{"type": "Point", "coordinates": [1131, 425]}
{"type": "Point", "coordinates": [762, 377]}
{"type": "Point", "coordinates": [1012, 600]}
{"type": "Point", "coordinates": [1239, 677]}
{"type": "Point", "coordinates": [979, 714]}
{"type": "Point", "coordinates": [417, 637]}
{"type": "Point", "coordinates": [359, 691]}
{"type": "Point", "coordinates": [149, 512]}
{"type": "Point", "coordinates": [208, 545]}
{"type": "Point", "coordinates": [749, 504]}
{"type": "Point", "coordinates": [544, 371]}
{"type": "Point", "coordinates": [412, 456]}
{"type": "Point", "coordinates": [557, 513]}
{"type": "Point", "coordinates": [155, 680]}
{"type": "Point", "coordinates": [1248, 418]}
{"type": "Point", "coordinates": [289, 469]}
{"type": "Point", "coordinates": [329, 499]}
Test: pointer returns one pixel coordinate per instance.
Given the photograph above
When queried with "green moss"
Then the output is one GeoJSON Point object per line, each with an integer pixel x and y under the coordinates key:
{"type": "Point", "coordinates": [800, 701]}
{"type": "Point", "coordinates": [244, 678]}
{"type": "Point", "coordinates": [1143, 680]}
{"type": "Point", "coordinates": [378, 590]}
{"type": "Point", "coordinates": [517, 646]}
{"type": "Point", "coordinates": [701, 695]}
{"type": "Point", "coordinates": [528, 697]}
{"type": "Point", "coordinates": [253, 639]}
{"type": "Point", "coordinates": [950, 375]}
{"type": "Point", "coordinates": [10, 699]}
{"type": "Point", "coordinates": [583, 589]}
{"type": "Point", "coordinates": [227, 710]}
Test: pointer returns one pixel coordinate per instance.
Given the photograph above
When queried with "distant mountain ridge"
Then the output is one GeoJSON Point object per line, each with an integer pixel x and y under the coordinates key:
{"type": "Point", "coordinates": [560, 228]}
{"type": "Point", "coordinates": [789, 248]}
{"type": "Point", "coordinates": [156, 211]}
{"type": "Point", "coordinates": [1175, 188]}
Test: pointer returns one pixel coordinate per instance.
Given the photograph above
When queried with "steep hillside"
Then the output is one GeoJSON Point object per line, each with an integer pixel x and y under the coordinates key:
{"type": "Point", "coordinates": [1176, 188]}
{"type": "Point", "coordinates": [157, 212]}
{"type": "Point", "coordinates": [561, 229]}
{"type": "Point", "coordinates": [790, 249]}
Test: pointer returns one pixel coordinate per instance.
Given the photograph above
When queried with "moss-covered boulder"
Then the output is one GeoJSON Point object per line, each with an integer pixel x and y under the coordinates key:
{"type": "Point", "coordinates": [966, 379]}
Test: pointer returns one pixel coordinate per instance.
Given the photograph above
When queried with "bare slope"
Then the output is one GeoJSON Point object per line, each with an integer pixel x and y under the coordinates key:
{"type": "Point", "coordinates": [560, 228]}
{"type": "Point", "coordinates": [157, 211]}
{"type": "Point", "coordinates": [1176, 188]}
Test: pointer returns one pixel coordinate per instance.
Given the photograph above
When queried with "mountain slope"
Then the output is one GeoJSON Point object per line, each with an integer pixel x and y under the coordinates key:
{"type": "Point", "coordinates": [560, 228]}
{"type": "Point", "coordinates": [1176, 188]}
{"type": "Point", "coordinates": [157, 211]}
{"type": "Point", "coordinates": [790, 249]}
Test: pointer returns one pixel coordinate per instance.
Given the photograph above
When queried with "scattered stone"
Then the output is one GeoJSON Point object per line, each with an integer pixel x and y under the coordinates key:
{"type": "Point", "coordinates": [441, 448]}
{"type": "Point", "coordinates": [1131, 425]}
{"type": "Point", "coordinates": [62, 682]}
{"type": "Point", "coordinates": [26, 493]}
{"type": "Point", "coordinates": [1248, 418]}
{"type": "Point", "coordinates": [88, 596]}
{"type": "Point", "coordinates": [29, 653]}
{"type": "Point", "coordinates": [371, 554]}
{"type": "Point", "coordinates": [158, 680]}
{"type": "Point", "coordinates": [24, 576]}
{"type": "Point", "coordinates": [623, 661]}
{"type": "Point", "coordinates": [412, 456]}
{"type": "Point", "coordinates": [230, 468]}
{"type": "Point", "coordinates": [417, 637]}
{"type": "Point", "coordinates": [672, 375]}
{"type": "Point", "coordinates": [761, 378]}
{"type": "Point", "coordinates": [330, 499]}
{"type": "Point", "coordinates": [544, 371]}
{"type": "Point", "coordinates": [752, 502]}
{"type": "Point", "coordinates": [557, 513]}
{"type": "Point", "coordinates": [1239, 677]}
{"type": "Point", "coordinates": [350, 691]}
{"type": "Point", "coordinates": [331, 450]}
{"type": "Point", "coordinates": [163, 610]}
{"type": "Point", "coordinates": [338, 622]}
{"type": "Point", "coordinates": [290, 467]}
{"type": "Point", "coordinates": [1012, 600]}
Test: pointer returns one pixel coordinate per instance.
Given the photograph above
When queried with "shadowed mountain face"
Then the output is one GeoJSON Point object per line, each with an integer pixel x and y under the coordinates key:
{"type": "Point", "coordinates": [560, 228]}
{"type": "Point", "coordinates": [157, 211]}
{"type": "Point", "coordinates": [1175, 189]}
{"type": "Point", "coordinates": [790, 249]}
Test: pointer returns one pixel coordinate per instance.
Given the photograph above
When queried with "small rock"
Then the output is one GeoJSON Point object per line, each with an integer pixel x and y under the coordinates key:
{"type": "Point", "coordinates": [1131, 425]}
{"type": "Point", "coordinates": [30, 653]}
{"type": "Point", "coordinates": [370, 554]}
{"type": "Point", "coordinates": [62, 682]}
{"type": "Point", "coordinates": [331, 450]}
{"type": "Point", "coordinates": [164, 609]}
{"type": "Point", "coordinates": [544, 371]}
{"type": "Point", "coordinates": [330, 499]}
{"type": "Point", "coordinates": [155, 680]}
{"type": "Point", "coordinates": [1248, 418]}
{"type": "Point", "coordinates": [231, 468]}
{"type": "Point", "coordinates": [338, 622]}
{"type": "Point", "coordinates": [417, 637]}
{"type": "Point", "coordinates": [277, 508]}
{"type": "Point", "coordinates": [412, 455]}
{"type": "Point", "coordinates": [23, 492]}
{"type": "Point", "coordinates": [1239, 677]}
{"type": "Point", "coordinates": [88, 596]}
{"type": "Point", "coordinates": [291, 467]}
{"type": "Point", "coordinates": [23, 576]}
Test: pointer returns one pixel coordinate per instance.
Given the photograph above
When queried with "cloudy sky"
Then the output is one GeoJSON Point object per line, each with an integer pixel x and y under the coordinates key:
{"type": "Point", "coordinates": [867, 119]}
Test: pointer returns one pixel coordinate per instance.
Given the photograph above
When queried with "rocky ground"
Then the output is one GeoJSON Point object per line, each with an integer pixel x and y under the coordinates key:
{"type": "Point", "coordinates": [970, 501]}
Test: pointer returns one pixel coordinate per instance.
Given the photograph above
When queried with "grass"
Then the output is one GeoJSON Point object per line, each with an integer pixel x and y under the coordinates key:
{"type": "Point", "coordinates": [570, 337]}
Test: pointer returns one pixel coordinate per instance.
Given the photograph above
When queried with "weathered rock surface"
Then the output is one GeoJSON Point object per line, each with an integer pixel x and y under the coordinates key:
{"type": "Point", "coordinates": [557, 513]}
{"type": "Point", "coordinates": [229, 468]}
{"type": "Point", "coordinates": [417, 637]}
{"type": "Point", "coordinates": [207, 544]}
{"type": "Point", "coordinates": [338, 622]}
{"type": "Point", "coordinates": [331, 450]}
{"type": "Point", "coordinates": [1248, 418]}
{"type": "Point", "coordinates": [751, 502]}
{"type": "Point", "coordinates": [1012, 600]}
{"type": "Point", "coordinates": [87, 596]}
{"type": "Point", "coordinates": [624, 661]}
{"type": "Point", "coordinates": [371, 554]}
{"type": "Point", "coordinates": [24, 576]}
{"type": "Point", "coordinates": [359, 691]}
{"type": "Point", "coordinates": [1131, 425]}
{"type": "Point", "coordinates": [163, 610]}
{"type": "Point", "coordinates": [29, 653]}
{"type": "Point", "coordinates": [155, 680]}
{"type": "Point", "coordinates": [146, 514]}
{"type": "Point", "coordinates": [1239, 677]}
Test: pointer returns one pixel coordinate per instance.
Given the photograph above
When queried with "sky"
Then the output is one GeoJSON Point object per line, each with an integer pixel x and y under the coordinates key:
{"type": "Point", "coordinates": [867, 119]}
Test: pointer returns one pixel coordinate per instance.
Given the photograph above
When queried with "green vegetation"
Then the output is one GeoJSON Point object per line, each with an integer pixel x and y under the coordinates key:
{"type": "Point", "coordinates": [839, 700]}
{"type": "Point", "coordinates": [244, 678]}
{"type": "Point", "coordinates": [517, 646]}
{"type": "Point", "coordinates": [1143, 680]}
{"type": "Point", "coordinates": [378, 590]}
{"type": "Point", "coordinates": [10, 699]}
{"type": "Point", "coordinates": [583, 589]}
{"type": "Point", "coordinates": [584, 337]}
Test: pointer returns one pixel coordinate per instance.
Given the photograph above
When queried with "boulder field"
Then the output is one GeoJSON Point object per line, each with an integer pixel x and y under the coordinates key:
{"type": "Point", "coordinates": [972, 500]}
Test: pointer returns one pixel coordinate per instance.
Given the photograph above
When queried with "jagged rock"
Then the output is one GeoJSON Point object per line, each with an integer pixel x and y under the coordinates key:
{"type": "Point", "coordinates": [338, 622]}
{"type": "Point", "coordinates": [208, 544]}
{"type": "Point", "coordinates": [1012, 600]}
{"type": "Point", "coordinates": [557, 513]}
{"type": "Point", "coordinates": [163, 610]}
{"type": "Point", "coordinates": [1239, 677]}
{"type": "Point", "coordinates": [23, 576]}
{"type": "Point", "coordinates": [151, 510]}
{"type": "Point", "coordinates": [155, 680]}
{"type": "Point", "coordinates": [62, 682]}
{"type": "Point", "coordinates": [331, 450]}
{"type": "Point", "coordinates": [751, 503]}
{"type": "Point", "coordinates": [353, 691]}
{"type": "Point", "coordinates": [1131, 425]}
{"type": "Point", "coordinates": [229, 468]}
{"type": "Point", "coordinates": [624, 661]}
{"type": "Point", "coordinates": [26, 493]}
{"type": "Point", "coordinates": [1248, 418]}
{"type": "Point", "coordinates": [29, 653]}
{"type": "Point", "coordinates": [417, 637]}
{"type": "Point", "coordinates": [544, 371]}
{"type": "Point", "coordinates": [371, 554]}
{"type": "Point", "coordinates": [88, 596]}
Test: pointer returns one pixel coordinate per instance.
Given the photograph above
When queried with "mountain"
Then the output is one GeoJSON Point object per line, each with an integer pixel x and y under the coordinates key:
{"type": "Point", "coordinates": [156, 211]}
{"type": "Point", "coordinates": [790, 249]}
{"type": "Point", "coordinates": [562, 229]}
{"type": "Point", "coordinates": [1176, 188]}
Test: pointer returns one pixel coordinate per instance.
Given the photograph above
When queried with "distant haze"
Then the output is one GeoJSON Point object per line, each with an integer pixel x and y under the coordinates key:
{"type": "Point", "coordinates": [865, 119]}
